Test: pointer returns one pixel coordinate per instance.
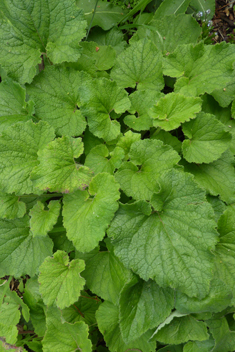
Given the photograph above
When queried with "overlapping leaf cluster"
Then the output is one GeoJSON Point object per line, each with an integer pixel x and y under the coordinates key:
{"type": "Point", "coordinates": [117, 217]}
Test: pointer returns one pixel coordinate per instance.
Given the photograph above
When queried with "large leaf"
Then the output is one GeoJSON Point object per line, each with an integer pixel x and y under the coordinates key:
{"type": "Point", "coordinates": [225, 253]}
{"type": "Point", "coordinates": [203, 6]}
{"type": "Point", "coordinates": [60, 280]}
{"type": "Point", "coordinates": [21, 253]}
{"type": "Point", "coordinates": [87, 214]}
{"type": "Point", "coordinates": [106, 15]}
{"type": "Point", "coordinates": [169, 7]}
{"type": "Point", "coordinates": [172, 243]}
{"type": "Point", "coordinates": [42, 221]}
{"type": "Point", "coordinates": [224, 337]}
{"type": "Point", "coordinates": [207, 139]}
{"type": "Point", "coordinates": [170, 31]}
{"type": "Point", "coordinates": [28, 29]}
{"type": "Point", "coordinates": [103, 100]}
{"type": "Point", "coordinates": [58, 170]}
{"type": "Point", "coordinates": [63, 336]}
{"type": "Point", "coordinates": [148, 160]}
{"type": "Point", "coordinates": [173, 109]}
{"type": "Point", "coordinates": [106, 276]}
{"type": "Point", "coordinates": [182, 330]}
{"type": "Point", "coordinates": [143, 306]}
{"type": "Point", "coordinates": [216, 178]}
{"type": "Point", "coordinates": [56, 94]}
{"type": "Point", "coordinates": [218, 298]}
{"type": "Point", "coordinates": [100, 160]}
{"type": "Point", "coordinates": [13, 107]}
{"type": "Point", "coordinates": [200, 68]}
{"type": "Point", "coordinates": [139, 65]}
{"type": "Point", "coordinates": [11, 206]}
{"type": "Point", "coordinates": [108, 323]}
{"type": "Point", "coordinates": [141, 103]}
{"type": "Point", "coordinates": [19, 145]}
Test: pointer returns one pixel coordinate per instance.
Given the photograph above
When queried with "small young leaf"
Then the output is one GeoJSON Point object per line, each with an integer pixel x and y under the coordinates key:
{"type": "Point", "coordinates": [100, 98]}
{"type": "Point", "coordinates": [173, 109]}
{"type": "Point", "coordinates": [146, 73]}
{"type": "Point", "coordinates": [148, 160]}
{"type": "Point", "coordinates": [58, 171]}
{"type": "Point", "coordinates": [42, 221]}
{"type": "Point", "coordinates": [64, 337]}
{"type": "Point", "coordinates": [60, 280]}
{"type": "Point", "coordinates": [11, 207]}
{"type": "Point", "coordinates": [207, 141]}
{"type": "Point", "coordinates": [87, 214]}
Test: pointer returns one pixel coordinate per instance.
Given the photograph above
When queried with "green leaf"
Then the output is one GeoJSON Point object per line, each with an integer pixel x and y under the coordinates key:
{"type": "Point", "coordinates": [143, 305]}
{"type": "Point", "coordinates": [202, 6]}
{"type": "Point", "coordinates": [83, 310]}
{"type": "Point", "coordinates": [126, 141]}
{"type": "Point", "coordinates": [9, 318]}
{"type": "Point", "coordinates": [108, 323]}
{"type": "Point", "coordinates": [103, 56]}
{"type": "Point", "coordinates": [173, 109]}
{"type": "Point", "coordinates": [58, 171]}
{"type": "Point", "coordinates": [169, 31]}
{"type": "Point", "coordinates": [148, 160]}
{"type": "Point", "coordinates": [141, 102]}
{"type": "Point", "coordinates": [100, 160]}
{"type": "Point", "coordinates": [139, 65]}
{"type": "Point", "coordinates": [106, 276]}
{"type": "Point", "coordinates": [19, 145]}
{"type": "Point", "coordinates": [167, 138]}
{"type": "Point", "coordinates": [207, 139]}
{"type": "Point", "coordinates": [218, 206]}
{"type": "Point", "coordinates": [87, 214]}
{"type": "Point", "coordinates": [225, 253]}
{"type": "Point", "coordinates": [42, 221]}
{"type": "Point", "coordinates": [44, 26]}
{"type": "Point", "coordinates": [56, 96]}
{"type": "Point", "coordinates": [216, 178]}
{"type": "Point", "coordinates": [200, 68]}
{"type": "Point", "coordinates": [199, 346]}
{"type": "Point", "coordinates": [13, 107]}
{"type": "Point", "coordinates": [21, 253]}
{"type": "Point", "coordinates": [64, 337]}
{"type": "Point", "coordinates": [101, 99]}
{"type": "Point", "coordinates": [172, 244]}
{"type": "Point", "coordinates": [106, 15]}
{"type": "Point", "coordinates": [114, 38]}
{"type": "Point", "coordinates": [11, 206]}
{"type": "Point", "coordinates": [218, 298]}
{"type": "Point", "coordinates": [33, 299]}
{"type": "Point", "coordinates": [224, 337]}
{"type": "Point", "coordinates": [169, 7]}
{"type": "Point", "coordinates": [181, 330]}
{"type": "Point", "coordinates": [211, 106]}
{"type": "Point", "coordinates": [60, 280]}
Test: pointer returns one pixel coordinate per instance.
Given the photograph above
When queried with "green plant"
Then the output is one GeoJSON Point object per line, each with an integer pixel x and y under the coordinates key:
{"type": "Point", "coordinates": [117, 180]}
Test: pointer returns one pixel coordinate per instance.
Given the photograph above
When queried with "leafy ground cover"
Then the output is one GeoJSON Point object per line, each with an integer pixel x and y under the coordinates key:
{"type": "Point", "coordinates": [117, 143]}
